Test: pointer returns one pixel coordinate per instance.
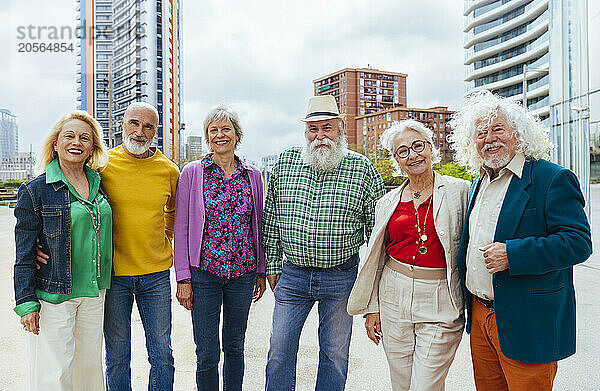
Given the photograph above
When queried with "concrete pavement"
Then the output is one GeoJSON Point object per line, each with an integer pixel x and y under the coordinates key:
{"type": "Point", "coordinates": [368, 367]}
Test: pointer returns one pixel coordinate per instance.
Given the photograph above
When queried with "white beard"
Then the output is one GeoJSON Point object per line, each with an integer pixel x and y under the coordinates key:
{"type": "Point", "coordinates": [136, 147]}
{"type": "Point", "coordinates": [496, 163]}
{"type": "Point", "coordinates": [326, 158]}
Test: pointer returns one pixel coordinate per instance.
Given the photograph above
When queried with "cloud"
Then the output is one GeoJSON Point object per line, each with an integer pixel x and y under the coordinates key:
{"type": "Point", "coordinates": [260, 57]}
{"type": "Point", "coordinates": [37, 87]}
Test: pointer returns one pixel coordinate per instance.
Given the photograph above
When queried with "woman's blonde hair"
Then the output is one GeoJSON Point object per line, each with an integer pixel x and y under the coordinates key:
{"type": "Point", "coordinates": [99, 158]}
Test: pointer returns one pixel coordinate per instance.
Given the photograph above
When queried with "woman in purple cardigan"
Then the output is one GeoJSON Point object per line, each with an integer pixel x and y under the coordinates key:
{"type": "Point", "coordinates": [219, 259]}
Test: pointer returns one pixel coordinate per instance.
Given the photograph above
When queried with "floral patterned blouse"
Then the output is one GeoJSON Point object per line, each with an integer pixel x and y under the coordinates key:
{"type": "Point", "coordinates": [227, 244]}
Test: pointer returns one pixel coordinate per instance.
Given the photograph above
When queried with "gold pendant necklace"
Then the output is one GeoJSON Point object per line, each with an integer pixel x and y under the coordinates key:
{"type": "Point", "coordinates": [422, 235]}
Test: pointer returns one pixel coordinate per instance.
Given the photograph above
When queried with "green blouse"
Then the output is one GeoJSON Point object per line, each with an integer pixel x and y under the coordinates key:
{"type": "Point", "coordinates": [84, 268]}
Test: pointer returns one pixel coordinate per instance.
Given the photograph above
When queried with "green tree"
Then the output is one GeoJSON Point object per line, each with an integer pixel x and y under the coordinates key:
{"type": "Point", "coordinates": [455, 170]}
{"type": "Point", "coordinates": [384, 166]}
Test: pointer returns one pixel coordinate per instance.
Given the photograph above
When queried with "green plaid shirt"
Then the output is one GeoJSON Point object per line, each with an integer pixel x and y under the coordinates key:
{"type": "Point", "coordinates": [318, 219]}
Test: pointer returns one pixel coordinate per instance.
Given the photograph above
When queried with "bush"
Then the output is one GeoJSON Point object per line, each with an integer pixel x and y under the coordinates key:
{"type": "Point", "coordinates": [12, 183]}
{"type": "Point", "coordinates": [455, 170]}
{"type": "Point", "coordinates": [385, 168]}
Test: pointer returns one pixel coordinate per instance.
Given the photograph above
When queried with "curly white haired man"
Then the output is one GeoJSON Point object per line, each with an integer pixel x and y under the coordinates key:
{"type": "Point", "coordinates": [524, 231]}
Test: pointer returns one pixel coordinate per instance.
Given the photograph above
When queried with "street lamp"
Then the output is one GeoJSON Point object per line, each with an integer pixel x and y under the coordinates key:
{"type": "Point", "coordinates": [526, 70]}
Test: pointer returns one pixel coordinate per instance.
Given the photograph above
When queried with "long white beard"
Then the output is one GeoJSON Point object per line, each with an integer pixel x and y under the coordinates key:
{"type": "Point", "coordinates": [326, 158]}
{"type": "Point", "coordinates": [496, 162]}
{"type": "Point", "coordinates": [136, 147]}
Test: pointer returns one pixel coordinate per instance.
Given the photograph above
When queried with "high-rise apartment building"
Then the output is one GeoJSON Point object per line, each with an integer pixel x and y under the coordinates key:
{"type": "Point", "coordinates": [536, 51]}
{"type": "Point", "coordinates": [507, 50]}
{"type": "Point", "coordinates": [9, 134]}
{"type": "Point", "coordinates": [131, 52]}
{"type": "Point", "coordinates": [374, 124]}
{"type": "Point", "coordinates": [360, 91]}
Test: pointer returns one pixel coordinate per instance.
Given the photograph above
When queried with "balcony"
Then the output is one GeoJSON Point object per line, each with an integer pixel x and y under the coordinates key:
{"type": "Point", "coordinates": [497, 45]}
{"type": "Point", "coordinates": [532, 11]}
{"type": "Point", "coordinates": [530, 54]}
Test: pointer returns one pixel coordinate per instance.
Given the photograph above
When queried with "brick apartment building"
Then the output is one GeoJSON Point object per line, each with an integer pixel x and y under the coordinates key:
{"type": "Point", "coordinates": [371, 126]}
{"type": "Point", "coordinates": [362, 91]}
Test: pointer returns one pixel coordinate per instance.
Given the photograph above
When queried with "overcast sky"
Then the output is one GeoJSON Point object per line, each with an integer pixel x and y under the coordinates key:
{"type": "Point", "coordinates": [258, 56]}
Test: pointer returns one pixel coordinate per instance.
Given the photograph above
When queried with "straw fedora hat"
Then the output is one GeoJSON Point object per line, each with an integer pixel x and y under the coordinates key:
{"type": "Point", "coordinates": [320, 108]}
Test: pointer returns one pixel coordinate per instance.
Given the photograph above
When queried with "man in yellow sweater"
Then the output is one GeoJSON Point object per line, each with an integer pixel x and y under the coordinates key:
{"type": "Point", "coordinates": [141, 183]}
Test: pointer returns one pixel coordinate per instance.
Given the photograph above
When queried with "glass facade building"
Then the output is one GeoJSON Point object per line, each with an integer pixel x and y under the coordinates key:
{"type": "Point", "coordinates": [131, 52]}
{"type": "Point", "coordinates": [536, 52]}
{"type": "Point", "coordinates": [9, 134]}
{"type": "Point", "coordinates": [507, 50]}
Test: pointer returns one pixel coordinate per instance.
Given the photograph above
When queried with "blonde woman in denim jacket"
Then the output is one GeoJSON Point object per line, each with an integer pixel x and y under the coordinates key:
{"type": "Point", "coordinates": [61, 303]}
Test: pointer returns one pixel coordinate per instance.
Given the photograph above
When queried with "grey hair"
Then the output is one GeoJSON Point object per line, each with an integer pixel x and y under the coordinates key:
{"type": "Point", "coordinates": [218, 113]}
{"type": "Point", "coordinates": [533, 139]}
{"type": "Point", "coordinates": [387, 141]}
{"type": "Point", "coordinates": [142, 105]}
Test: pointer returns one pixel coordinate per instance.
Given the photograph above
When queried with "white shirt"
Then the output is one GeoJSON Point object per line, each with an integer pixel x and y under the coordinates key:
{"type": "Point", "coordinates": [483, 221]}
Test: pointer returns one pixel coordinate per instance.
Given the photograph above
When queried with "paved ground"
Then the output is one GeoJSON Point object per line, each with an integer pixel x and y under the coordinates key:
{"type": "Point", "coordinates": [368, 368]}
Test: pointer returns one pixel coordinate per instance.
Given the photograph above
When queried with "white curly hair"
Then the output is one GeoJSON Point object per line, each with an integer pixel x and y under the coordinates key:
{"type": "Point", "coordinates": [482, 107]}
{"type": "Point", "coordinates": [387, 141]}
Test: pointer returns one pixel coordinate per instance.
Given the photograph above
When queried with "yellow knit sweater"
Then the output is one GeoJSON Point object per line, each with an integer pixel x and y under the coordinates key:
{"type": "Point", "coordinates": [141, 193]}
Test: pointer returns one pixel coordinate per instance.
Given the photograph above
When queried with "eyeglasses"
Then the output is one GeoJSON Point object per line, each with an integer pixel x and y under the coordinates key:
{"type": "Point", "coordinates": [418, 146]}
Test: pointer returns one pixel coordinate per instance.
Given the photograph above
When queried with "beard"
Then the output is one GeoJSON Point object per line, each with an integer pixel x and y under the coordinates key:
{"type": "Point", "coordinates": [496, 162]}
{"type": "Point", "coordinates": [137, 145]}
{"type": "Point", "coordinates": [325, 155]}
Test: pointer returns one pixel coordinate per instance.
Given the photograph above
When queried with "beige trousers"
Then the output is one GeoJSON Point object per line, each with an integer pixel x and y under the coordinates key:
{"type": "Point", "coordinates": [67, 353]}
{"type": "Point", "coordinates": [421, 330]}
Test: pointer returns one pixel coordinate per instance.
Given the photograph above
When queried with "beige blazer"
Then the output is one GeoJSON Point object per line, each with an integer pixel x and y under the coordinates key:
{"type": "Point", "coordinates": [450, 197]}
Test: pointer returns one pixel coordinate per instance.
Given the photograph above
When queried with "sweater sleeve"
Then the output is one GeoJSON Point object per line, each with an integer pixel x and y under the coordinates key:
{"type": "Point", "coordinates": [170, 207]}
{"type": "Point", "coordinates": [181, 228]}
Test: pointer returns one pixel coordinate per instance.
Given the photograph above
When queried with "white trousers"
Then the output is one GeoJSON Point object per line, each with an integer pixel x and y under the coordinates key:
{"type": "Point", "coordinates": [421, 330]}
{"type": "Point", "coordinates": [67, 353]}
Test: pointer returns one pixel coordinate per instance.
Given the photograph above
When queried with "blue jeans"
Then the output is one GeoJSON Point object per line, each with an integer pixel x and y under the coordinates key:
{"type": "Point", "coordinates": [295, 293]}
{"type": "Point", "coordinates": [152, 294]}
{"type": "Point", "coordinates": [235, 295]}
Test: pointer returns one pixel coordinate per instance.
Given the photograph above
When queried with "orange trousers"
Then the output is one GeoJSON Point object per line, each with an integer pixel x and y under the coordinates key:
{"type": "Point", "coordinates": [493, 370]}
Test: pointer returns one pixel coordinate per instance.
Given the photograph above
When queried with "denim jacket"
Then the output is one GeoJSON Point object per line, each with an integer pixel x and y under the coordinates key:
{"type": "Point", "coordinates": [43, 212]}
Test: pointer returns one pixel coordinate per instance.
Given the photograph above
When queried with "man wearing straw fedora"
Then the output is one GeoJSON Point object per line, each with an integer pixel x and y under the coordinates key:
{"type": "Point", "coordinates": [318, 212]}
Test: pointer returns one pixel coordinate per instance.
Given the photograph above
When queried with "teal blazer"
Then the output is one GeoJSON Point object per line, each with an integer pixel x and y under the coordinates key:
{"type": "Point", "coordinates": [546, 231]}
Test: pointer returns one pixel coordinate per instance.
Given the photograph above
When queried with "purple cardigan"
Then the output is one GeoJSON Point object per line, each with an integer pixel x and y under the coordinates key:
{"type": "Point", "coordinates": [189, 218]}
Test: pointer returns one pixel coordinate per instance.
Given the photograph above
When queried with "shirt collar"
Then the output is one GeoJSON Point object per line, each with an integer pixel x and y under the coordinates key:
{"type": "Point", "coordinates": [208, 161]}
{"type": "Point", "coordinates": [515, 166]}
{"type": "Point", "coordinates": [55, 174]}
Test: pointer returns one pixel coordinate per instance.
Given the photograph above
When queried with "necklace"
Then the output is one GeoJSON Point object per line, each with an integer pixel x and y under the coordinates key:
{"type": "Point", "coordinates": [416, 194]}
{"type": "Point", "coordinates": [96, 226]}
{"type": "Point", "coordinates": [421, 233]}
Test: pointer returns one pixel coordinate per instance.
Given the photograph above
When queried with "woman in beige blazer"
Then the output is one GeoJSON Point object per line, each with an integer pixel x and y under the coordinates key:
{"type": "Point", "coordinates": [409, 286]}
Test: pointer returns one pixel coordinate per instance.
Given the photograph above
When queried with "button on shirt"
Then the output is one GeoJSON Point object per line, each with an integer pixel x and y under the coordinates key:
{"type": "Point", "coordinates": [318, 219]}
{"type": "Point", "coordinates": [482, 224]}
